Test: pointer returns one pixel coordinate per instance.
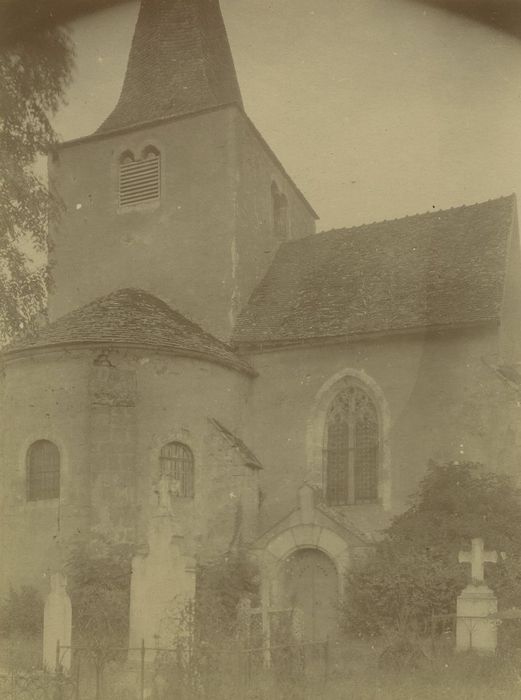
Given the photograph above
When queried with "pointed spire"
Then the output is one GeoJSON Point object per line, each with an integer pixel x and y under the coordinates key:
{"type": "Point", "coordinates": [180, 62]}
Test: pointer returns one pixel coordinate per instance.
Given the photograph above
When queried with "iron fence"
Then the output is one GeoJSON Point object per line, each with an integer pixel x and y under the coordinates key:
{"type": "Point", "coordinates": [181, 671]}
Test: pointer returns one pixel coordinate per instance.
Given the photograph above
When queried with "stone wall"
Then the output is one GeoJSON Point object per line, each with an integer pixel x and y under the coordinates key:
{"type": "Point", "coordinates": [439, 395]}
{"type": "Point", "coordinates": [177, 249]}
{"type": "Point", "coordinates": [511, 311]}
{"type": "Point", "coordinates": [440, 398]}
{"type": "Point", "coordinates": [257, 241]}
{"type": "Point", "coordinates": [113, 430]}
{"type": "Point", "coordinates": [44, 399]}
{"type": "Point", "coordinates": [109, 423]}
{"type": "Point", "coordinates": [201, 248]}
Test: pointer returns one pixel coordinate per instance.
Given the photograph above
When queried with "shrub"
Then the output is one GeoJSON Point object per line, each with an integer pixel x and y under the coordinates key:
{"type": "Point", "coordinates": [414, 571]}
{"type": "Point", "coordinates": [98, 573]}
{"type": "Point", "coordinates": [21, 613]}
{"type": "Point", "coordinates": [220, 585]}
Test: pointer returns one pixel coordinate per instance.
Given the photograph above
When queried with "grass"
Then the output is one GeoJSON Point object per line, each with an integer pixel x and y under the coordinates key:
{"type": "Point", "coordinates": [463, 678]}
{"type": "Point", "coordinates": [353, 673]}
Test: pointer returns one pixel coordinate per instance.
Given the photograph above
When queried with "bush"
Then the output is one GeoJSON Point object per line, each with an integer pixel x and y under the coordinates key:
{"type": "Point", "coordinates": [220, 585]}
{"type": "Point", "coordinates": [98, 573]}
{"type": "Point", "coordinates": [414, 571]}
{"type": "Point", "coordinates": [21, 613]}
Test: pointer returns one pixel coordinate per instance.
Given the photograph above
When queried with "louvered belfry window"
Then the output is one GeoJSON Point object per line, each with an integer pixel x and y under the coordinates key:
{"type": "Point", "coordinates": [177, 462]}
{"type": "Point", "coordinates": [352, 448]}
{"type": "Point", "coordinates": [139, 180]}
{"type": "Point", "coordinates": [43, 471]}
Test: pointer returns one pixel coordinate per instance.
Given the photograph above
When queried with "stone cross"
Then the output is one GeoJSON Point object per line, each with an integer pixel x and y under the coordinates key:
{"type": "Point", "coordinates": [477, 558]}
{"type": "Point", "coordinates": [164, 494]}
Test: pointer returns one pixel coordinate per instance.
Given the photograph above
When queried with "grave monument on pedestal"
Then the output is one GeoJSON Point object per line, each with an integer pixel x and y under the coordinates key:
{"type": "Point", "coordinates": [57, 626]}
{"type": "Point", "coordinates": [163, 581]}
{"type": "Point", "coordinates": [476, 627]}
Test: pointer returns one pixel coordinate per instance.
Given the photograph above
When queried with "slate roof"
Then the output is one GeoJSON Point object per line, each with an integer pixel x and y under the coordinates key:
{"type": "Point", "coordinates": [250, 460]}
{"type": "Point", "coordinates": [444, 268]}
{"type": "Point", "coordinates": [131, 318]}
{"type": "Point", "coordinates": [180, 62]}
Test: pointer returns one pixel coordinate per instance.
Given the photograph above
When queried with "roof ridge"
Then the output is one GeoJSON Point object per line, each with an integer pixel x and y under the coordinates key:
{"type": "Point", "coordinates": [442, 269]}
{"type": "Point", "coordinates": [459, 207]}
{"type": "Point", "coordinates": [130, 317]}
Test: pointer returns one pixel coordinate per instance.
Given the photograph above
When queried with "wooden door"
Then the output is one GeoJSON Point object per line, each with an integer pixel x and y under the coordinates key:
{"type": "Point", "coordinates": [310, 584]}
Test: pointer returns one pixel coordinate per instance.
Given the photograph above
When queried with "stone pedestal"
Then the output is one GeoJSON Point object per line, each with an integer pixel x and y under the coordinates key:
{"type": "Point", "coordinates": [57, 626]}
{"type": "Point", "coordinates": [474, 628]}
{"type": "Point", "coordinates": [162, 584]}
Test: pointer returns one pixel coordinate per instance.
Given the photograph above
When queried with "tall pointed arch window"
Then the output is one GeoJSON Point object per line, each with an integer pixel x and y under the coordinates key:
{"type": "Point", "coordinates": [176, 462]}
{"type": "Point", "coordinates": [139, 178]}
{"type": "Point", "coordinates": [43, 471]}
{"type": "Point", "coordinates": [352, 448]}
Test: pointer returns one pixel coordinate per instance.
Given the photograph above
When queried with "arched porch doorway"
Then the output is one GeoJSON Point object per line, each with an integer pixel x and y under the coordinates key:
{"type": "Point", "coordinates": [309, 583]}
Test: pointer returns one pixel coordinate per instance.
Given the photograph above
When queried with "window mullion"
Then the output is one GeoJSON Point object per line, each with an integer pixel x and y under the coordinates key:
{"type": "Point", "coordinates": [351, 495]}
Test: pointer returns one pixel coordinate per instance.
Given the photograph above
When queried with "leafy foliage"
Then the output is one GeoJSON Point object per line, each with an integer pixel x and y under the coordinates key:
{"type": "Point", "coordinates": [98, 572]}
{"type": "Point", "coordinates": [20, 17]}
{"type": "Point", "coordinates": [21, 613]}
{"type": "Point", "coordinates": [220, 586]}
{"type": "Point", "coordinates": [414, 571]}
{"type": "Point", "coordinates": [34, 70]}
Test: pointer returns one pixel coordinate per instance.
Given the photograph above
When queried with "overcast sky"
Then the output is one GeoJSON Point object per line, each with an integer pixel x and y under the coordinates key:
{"type": "Point", "coordinates": [377, 108]}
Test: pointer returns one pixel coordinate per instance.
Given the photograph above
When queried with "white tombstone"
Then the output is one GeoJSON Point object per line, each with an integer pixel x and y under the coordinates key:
{"type": "Point", "coordinates": [57, 626]}
{"type": "Point", "coordinates": [163, 581]}
{"type": "Point", "coordinates": [476, 627]}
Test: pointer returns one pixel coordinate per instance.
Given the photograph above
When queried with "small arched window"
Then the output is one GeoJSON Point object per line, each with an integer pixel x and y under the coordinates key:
{"type": "Point", "coordinates": [352, 448]}
{"type": "Point", "coordinates": [43, 471]}
{"type": "Point", "coordinates": [177, 463]}
{"type": "Point", "coordinates": [279, 204]}
{"type": "Point", "coordinates": [139, 180]}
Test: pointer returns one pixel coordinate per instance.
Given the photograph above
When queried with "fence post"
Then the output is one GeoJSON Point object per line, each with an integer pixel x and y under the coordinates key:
{"type": "Point", "coordinates": [142, 679]}
{"type": "Point", "coordinates": [78, 676]}
{"type": "Point", "coordinates": [99, 672]}
{"type": "Point", "coordinates": [58, 672]}
{"type": "Point", "coordinates": [248, 666]}
{"type": "Point", "coordinates": [326, 659]}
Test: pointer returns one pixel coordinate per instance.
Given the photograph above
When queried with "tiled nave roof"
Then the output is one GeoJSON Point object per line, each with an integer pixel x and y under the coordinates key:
{"type": "Point", "coordinates": [443, 268]}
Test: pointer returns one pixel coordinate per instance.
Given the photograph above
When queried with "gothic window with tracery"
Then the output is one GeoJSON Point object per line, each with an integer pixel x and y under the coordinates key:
{"type": "Point", "coordinates": [43, 471]}
{"type": "Point", "coordinates": [352, 448]}
{"type": "Point", "coordinates": [177, 462]}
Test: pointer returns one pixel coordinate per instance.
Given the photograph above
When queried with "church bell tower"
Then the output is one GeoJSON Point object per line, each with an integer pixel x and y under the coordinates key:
{"type": "Point", "coordinates": [173, 193]}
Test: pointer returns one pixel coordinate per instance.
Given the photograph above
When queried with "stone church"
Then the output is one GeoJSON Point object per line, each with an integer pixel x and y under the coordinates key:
{"type": "Point", "coordinates": [291, 385]}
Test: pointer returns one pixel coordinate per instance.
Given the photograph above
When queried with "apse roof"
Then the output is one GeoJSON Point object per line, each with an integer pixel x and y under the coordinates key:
{"type": "Point", "coordinates": [443, 268]}
{"type": "Point", "coordinates": [180, 62]}
{"type": "Point", "coordinates": [131, 318]}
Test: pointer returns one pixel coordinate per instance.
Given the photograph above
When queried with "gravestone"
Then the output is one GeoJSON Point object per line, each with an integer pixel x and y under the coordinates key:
{"type": "Point", "coordinates": [163, 581]}
{"type": "Point", "coordinates": [57, 626]}
{"type": "Point", "coordinates": [476, 627]}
